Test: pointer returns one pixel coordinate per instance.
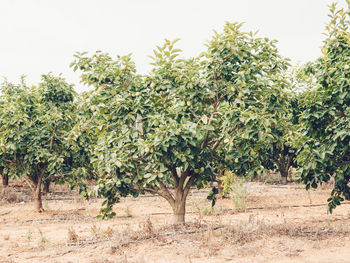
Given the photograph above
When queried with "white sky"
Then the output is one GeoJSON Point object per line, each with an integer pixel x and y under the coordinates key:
{"type": "Point", "coordinates": [41, 36]}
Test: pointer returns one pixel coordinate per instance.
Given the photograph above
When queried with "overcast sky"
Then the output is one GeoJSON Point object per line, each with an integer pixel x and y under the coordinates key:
{"type": "Point", "coordinates": [41, 36]}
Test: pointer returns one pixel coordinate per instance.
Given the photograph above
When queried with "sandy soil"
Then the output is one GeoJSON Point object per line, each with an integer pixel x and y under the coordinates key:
{"type": "Point", "coordinates": [279, 224]}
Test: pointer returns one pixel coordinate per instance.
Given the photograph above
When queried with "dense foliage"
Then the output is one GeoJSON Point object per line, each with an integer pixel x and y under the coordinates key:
{"type": "Point", "coordinates": [326, 118]}
{"type": "Point", "coordinates": [185, 120]}
{"type": "Point", "coordinates": [35, 122]}
{"type": "Point", "coordinates": [235, 110]}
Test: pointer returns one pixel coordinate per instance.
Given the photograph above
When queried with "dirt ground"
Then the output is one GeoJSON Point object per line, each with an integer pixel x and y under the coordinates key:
{"type": "Point", "coordinates": [275, 223]}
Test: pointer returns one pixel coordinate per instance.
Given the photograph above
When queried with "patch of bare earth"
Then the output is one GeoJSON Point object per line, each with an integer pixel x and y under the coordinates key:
{"type": "Point", "coordinates": [278, 224]}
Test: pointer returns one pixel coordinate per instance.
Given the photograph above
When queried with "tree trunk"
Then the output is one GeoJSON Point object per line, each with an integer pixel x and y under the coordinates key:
{"type": "Point", "coordinates": [37, 199]}
{"type": "Point", "coordinates": [177, 200]}
{"type": "Point", "coordinates": [220, 189]}
{"type": "Point", "coordinates": [36, 183]}
{"type": "Point", "coordinates": [284, 171]}
{"type": "Point", "coordinates": [179, 204]}
{"type": "Point", "coordinates": [179, 210]}
{"type": "Point", "coordinates": [5, 179]}
{"type": "Point", "coordinates": [284, 179]}
{"type": "Point", "coordinates": [284, 163]}
{"type": "Point", "coordinates": [46, 186]}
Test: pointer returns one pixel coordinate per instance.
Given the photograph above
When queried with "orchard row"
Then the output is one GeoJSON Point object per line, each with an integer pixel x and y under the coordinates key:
{"type": "Point", "coordinates": [238, 107]}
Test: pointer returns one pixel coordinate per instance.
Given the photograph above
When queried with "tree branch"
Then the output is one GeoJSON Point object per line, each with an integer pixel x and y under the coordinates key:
{"type": "Point", "coordinates": [216, 144]}
{"type": "Point", "coordinates": [52, 138]}
{"type": "Point", "coordinates": [29, 182]}
{"type": "Point", "coordinates": [188, 185]}
{"type": "Point", "coordinates": [204, 143]}
{"type": "Point", "coordinates": [40, 178]}
{"type": "Point", "coordinates": [174, 174]}
{"type": "Point", "coordinates": [58, 176]}
{"type": "Point", "coordinates": [150, 190]}
{"type": "Point", "coordinates": [173, 171]}
{"type": "Point", "coordinates": [164, 192]}
{"type": "Point", "coordinates": [182, 180]}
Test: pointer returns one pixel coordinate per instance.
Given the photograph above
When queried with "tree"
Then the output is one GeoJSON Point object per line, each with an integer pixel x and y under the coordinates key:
{"type": "Point", "coordinates": [4, 177]}
{"type": "Point", "coordinates": [281, 155]}
{"type": "Point", "coordinates": [182, 122]}
{"type": "Point", "coordinates": [326, 118]}
{"type": "Point", "coordinates": [35, 122]}
{"type": "Point", "coordinates": [3, 172]}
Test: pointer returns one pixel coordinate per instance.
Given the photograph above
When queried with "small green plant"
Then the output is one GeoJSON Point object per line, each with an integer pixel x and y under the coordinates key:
{"type": "Point", "coordinates": [204, 209]}
{"type": "Point", "coordinates": [96, 232]}
{"type": "Point", "coordinates": [239, 194]}
{"type": "Point", "coordinates": [210, 210]}
{"type": "Point", "coordinates": [227, 180]}
{"type": "Point", "coordinates": [29, 234]}
{"type": "Point", "coordinates": [43, 239]}
{"type": "Point", "coordinates": [128, 212]}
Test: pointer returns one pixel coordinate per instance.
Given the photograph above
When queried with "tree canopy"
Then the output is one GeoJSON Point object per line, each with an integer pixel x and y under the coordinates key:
{"type": "Point", "coordinates": [35, 122]}
{"type": "Point", "coordinates": [232, 108]}
{"type": "Point", "coordinates": [326, 118]}
{"type": "Point", "coordinates": [184, 120]}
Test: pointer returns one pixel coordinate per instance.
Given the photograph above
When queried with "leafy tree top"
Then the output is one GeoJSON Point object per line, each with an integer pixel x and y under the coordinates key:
{"type": "Point", "coordinates": [327, 112]}
{"type": "Point", "coordinates": [34, 123]}
{"type": "Point", "coordinates": [185, 119]}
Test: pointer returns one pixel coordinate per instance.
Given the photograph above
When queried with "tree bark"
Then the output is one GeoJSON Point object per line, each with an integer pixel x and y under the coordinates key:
{"type": "Point", "coordinates": [36, 183]}
{"type": "Point", "coordinates": [5, 179]}
{"type": "Point", "coordinates": [284, 179]}
{"type": "Point", "coordinates": [179, 211]}
{"type": "Point", "coordinates": [38, 204]}
{"type": "Point", "coordinates": [177, 200]}
{"type": "Point", "coordinates": [284, 163]}
{"type": "Point", "coordinates": [220, 189]}
{"type": "Point", "coordinates": [46, 186]}
{"type": "Point", "coordinates": [181, 193]}
{"type": "Point", "coordinates": [284, 171]}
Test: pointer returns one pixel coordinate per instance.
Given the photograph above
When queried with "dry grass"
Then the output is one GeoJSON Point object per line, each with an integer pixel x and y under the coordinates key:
{"type": "Point", "coordinates": [208, 239]}
{"type": "Point", "coordinates": [72, 235]}
{"type": "Point", "coordinates": [239, 195]}
{"type": "Point", "coordinates": [204, 208]}
{"type": "Point", "coordinates": [250, 236]}
{"type": "Point", "coordinates": [255, 229]}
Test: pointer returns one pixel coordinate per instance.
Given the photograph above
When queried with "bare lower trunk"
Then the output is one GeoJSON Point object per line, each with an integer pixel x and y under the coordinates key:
{"type": "Point", "coordinates": [179, 203]}
{"type": "Point", "coordinates": [179, 210]}
{"type": "Point", "coordinates": [177, 200]}
{"type": "Point", "coordinates": [284, 180]}
{"type": "Point", "coordinates": [36, 182]}
{"type": "Point", "coordinates": [285, 162]}
{"type": "Point", "coordinates": [37, 199]}
{"type": "Point", "coordinates": [284, 174]}
{"type": "Point", "coordinates": [5, 179]}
